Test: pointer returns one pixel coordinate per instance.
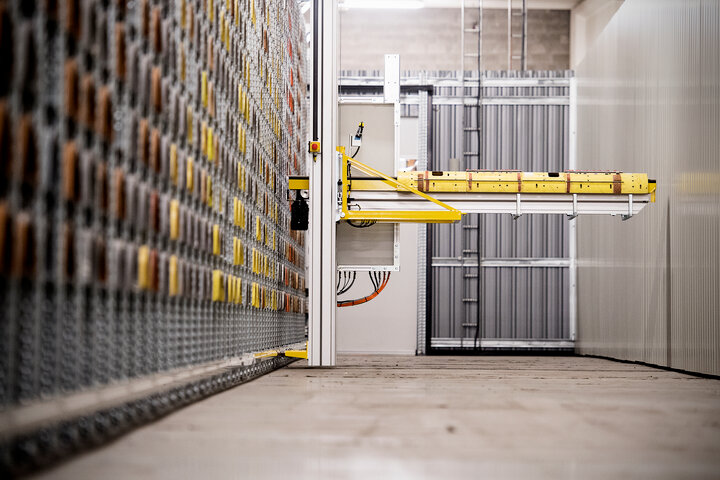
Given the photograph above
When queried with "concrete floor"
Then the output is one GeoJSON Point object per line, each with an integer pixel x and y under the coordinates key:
{"type": "Point", "coordinates": [433, 417]}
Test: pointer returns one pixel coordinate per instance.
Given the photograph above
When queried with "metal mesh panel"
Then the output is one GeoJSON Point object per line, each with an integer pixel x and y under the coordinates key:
{"type": "Point", "coordinates": [144, 225]}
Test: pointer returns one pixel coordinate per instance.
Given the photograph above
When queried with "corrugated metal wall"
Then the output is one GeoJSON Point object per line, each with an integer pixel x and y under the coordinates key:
{"type": "Point", "coordinates": [525, 126]}
{"type": "Point", "coordinates": [648, 95]}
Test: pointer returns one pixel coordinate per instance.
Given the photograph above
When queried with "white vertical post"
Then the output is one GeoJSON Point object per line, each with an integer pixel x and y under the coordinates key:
{"type": "Point", "coordinates": [572, 247]}
{"type": "Point", "coordinates": [321, 324]}
{"type": "Point", "coordinates": [391, 89]}
{"type": "Point", "coordinates": [391, 94]}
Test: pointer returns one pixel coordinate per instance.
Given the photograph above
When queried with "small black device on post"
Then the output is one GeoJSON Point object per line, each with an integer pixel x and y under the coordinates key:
{"type": "Point", "coordinates": [299, 212]}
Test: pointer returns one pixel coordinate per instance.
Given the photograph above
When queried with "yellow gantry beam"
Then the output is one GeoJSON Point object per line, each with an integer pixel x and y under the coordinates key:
{"type": "Point", "coordinates": [608, 183]}
{"type": "Point", "coordinates": [503, 182]}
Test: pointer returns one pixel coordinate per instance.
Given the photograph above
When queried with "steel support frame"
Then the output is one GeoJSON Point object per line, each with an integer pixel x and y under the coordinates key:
{"type": "Point", "coordinates": [572, 234]}
{"type": "Point", "coordinates": [322, 294]}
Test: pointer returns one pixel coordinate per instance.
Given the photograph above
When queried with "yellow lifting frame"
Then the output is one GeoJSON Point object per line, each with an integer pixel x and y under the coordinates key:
{"type": "Point", "coordinates": [448, 215]}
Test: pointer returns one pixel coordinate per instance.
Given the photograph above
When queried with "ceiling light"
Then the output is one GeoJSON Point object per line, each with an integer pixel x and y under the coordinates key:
{"type": "Point", "coordinates": [384, 4]}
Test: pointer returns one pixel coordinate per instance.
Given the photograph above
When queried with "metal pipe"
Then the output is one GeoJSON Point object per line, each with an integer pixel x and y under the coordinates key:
{"type": "Point", "coordinates": [509, 35]}
{"type": "Point", "coordinates": [523, 54]}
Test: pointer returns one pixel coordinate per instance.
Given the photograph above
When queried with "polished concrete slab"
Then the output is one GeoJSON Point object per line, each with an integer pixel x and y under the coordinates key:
{"type": "Point", "coordinates": [433, 417]}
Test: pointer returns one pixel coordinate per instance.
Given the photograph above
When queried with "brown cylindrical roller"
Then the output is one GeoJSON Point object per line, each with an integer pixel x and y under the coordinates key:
{"type": "Point", "coordinates": [203, 187]}
{"type": "Point", "coordinates": [104, 115]}
{"type": "Point", "coordinates": [120, 50]}
{"type": "Point", "coordinates": [143, 147]}
{"type": "Point", "coordinates": [6, 144]}
{"type": "Point", "coordinates": [70, 171]}
{"type": "Point", "coordinates": [156, 30]}
{"type": "Point", "coordinates": [28, 150]}
{"type": "Point", "coordinates": [23, 247]}
{"type": "Point", "coordinates": [211, 100]}
{"type": "Point", "coordinates": [120, 6]}
{"type": "Point", "coordinates": [119, 193]}
{"type": "Point", "coordinates": [191, 21]}
{"type": "Point", "coordinates": [101, 186]}
{"type": "Point", "coordinates": [87, 101]}
{"type": "Point", "coordinates": [155, 152]}
{"type": "Point", "coordinates": [71, 87]}
{"type": "Point", "coordinates": [5, 238]}
{"type": "Point", "coordinates": [154, 213]}
{"type": "Point", "coordinates": [153, 270]}
{"type": "Point", "coordinates": [100, 261]}
{"type": "Point", "coordinates": [72, 17]}
{"type": "Point", "coordinates": [145, 18]}
{"type": "Point", "coordinates": [156, 89]}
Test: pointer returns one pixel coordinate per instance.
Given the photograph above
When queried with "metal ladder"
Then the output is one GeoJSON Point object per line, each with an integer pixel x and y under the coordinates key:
{"type": "Point", "coordinates": [472, 128]}
{"type": "Point", "coordinates": [521, 12]}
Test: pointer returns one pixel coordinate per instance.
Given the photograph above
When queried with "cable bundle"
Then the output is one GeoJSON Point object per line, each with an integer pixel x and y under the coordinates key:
{"type": "Point", "coordinates": [378, 279]}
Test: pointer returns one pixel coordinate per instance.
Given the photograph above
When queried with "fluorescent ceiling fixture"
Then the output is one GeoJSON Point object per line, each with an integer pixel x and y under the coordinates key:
{"type": "Point", "coordinates": [385, 4]}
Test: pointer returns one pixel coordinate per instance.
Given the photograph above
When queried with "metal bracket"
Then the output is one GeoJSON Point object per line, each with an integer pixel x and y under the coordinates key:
{"type": "Point", "coordinates": [575, 211]}
{"type": "Point", "coordinates": [447, 215]}
{"type": "Point", "coordinates": [630, 208]}
{"type": "Point", "coordinates": [518, 211]}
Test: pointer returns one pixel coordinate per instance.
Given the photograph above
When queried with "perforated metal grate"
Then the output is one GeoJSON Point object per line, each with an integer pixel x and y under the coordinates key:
{"type": "Point", "coordinates": [144, 224]}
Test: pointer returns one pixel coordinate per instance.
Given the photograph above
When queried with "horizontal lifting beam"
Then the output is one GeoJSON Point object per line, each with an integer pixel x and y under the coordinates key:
{"type": "Point", "coordinates": [426, 197]}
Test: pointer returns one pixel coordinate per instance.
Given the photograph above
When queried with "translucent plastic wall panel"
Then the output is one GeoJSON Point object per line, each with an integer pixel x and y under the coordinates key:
{"type": "Point", "coordinates": [648, 96]}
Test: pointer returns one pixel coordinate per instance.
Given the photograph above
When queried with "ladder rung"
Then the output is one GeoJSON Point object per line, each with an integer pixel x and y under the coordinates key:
{"type": "Point", "coordinates": [517, 35]}
{"type": "Point", "coordinates": [470, 325]}
{"type": "Point", "coordinates": [470, 153]}
{"type": "Point", "coordinates": [516, 57]}
{"type": "Point", "coordinates": [472, 55]}
{"type": "Point", "coordinates": [471, 129]}
{"type": "Point", "coordinates": [470, 275]}
{"type": "Point", "coordinates": [472, 30]}
{"type": "Point", "coordinates": [469, 300]}
{"type": "Point", "coordinates": [469, 251]}
{"type": "Point", "coordinates": [470, 227]}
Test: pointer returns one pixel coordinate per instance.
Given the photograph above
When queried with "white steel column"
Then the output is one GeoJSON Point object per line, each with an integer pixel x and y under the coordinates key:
{"type": "Point", "coordinates": [322, 300]}
{"type": "Point", "coordinates": [572, 247]}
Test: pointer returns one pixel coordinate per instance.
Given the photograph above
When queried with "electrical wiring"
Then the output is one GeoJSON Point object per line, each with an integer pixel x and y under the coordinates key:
{"type": "Point", "coordinates": [361, 224]}
{"type": "Point", "coordinates": [347, 280]}
{"type": "Point", "coordinates": [379, 281]}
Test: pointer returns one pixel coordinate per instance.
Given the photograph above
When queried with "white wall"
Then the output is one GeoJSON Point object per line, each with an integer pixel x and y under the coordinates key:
{"type": "Point", "coordinates": [388, 323]}
{"type": "Point", "coordinates": [587, 20]}
{"type": "Point", "coordinates": [429, 38]}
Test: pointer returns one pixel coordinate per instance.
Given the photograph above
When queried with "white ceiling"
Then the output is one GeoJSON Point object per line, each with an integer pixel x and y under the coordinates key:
{"type": "Point", "coordinates": [534, 4]}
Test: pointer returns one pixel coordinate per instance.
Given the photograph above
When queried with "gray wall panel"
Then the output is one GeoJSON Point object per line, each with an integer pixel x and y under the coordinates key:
{"type": "Point", "coordinates": [515, 303]}
{"type": "Point", "coordinates": [649, 94]}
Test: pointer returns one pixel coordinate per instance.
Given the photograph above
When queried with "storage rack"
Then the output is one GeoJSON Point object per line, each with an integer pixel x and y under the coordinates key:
{"type": "Point", "coordinates": [144, 221]}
